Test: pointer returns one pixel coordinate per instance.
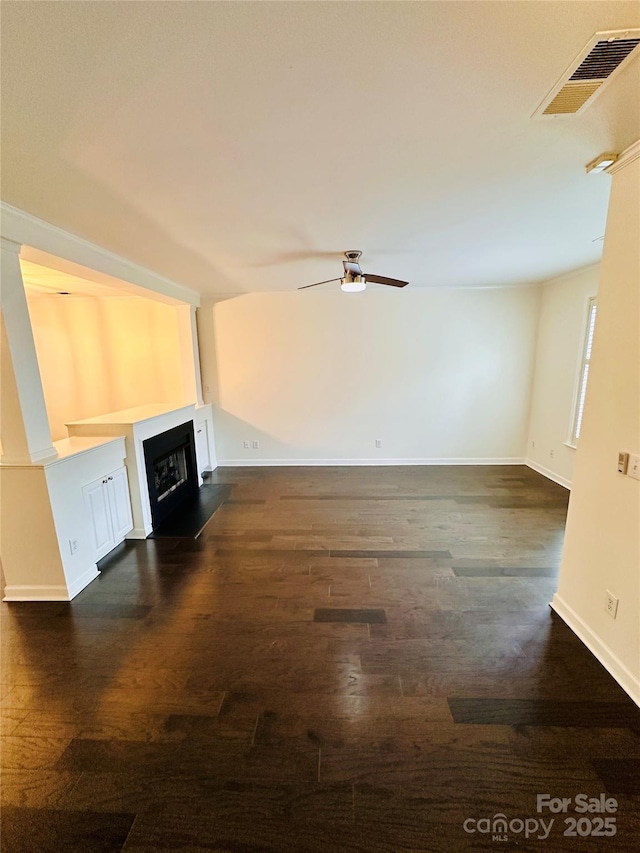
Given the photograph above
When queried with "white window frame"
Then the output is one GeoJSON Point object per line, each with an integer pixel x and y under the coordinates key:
{"type": "Point", "coordinates": [583, 373]}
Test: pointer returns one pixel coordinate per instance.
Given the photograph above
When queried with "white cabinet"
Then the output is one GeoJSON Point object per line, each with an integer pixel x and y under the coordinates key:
{"type": "Point", "coordinates": [107, 500]}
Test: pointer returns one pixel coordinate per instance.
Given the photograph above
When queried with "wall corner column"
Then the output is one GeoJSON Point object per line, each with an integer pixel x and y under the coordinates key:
{"type": "Point", "coordinates": [601, 553]}
{"type": "Point", "coordinates": [25, 432]}
{"type": "Point", "coordinates": [190, 355]}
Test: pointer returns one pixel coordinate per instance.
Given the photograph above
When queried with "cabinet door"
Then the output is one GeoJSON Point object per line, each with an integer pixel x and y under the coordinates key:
{"type": "Point", "coordinates": [120, 503]}
{"type": "Point", "coordinates": [97, 501]}
{"type": "Point", "coordinates": [203, 457]}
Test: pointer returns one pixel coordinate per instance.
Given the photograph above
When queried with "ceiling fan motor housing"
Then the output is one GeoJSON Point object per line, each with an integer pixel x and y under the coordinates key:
{"type": "Point", "coordinates": [353, 275]}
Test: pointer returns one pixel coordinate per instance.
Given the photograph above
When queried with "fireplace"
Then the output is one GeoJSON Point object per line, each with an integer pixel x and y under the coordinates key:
{"type": "Point", "coordinates": [170, 462]}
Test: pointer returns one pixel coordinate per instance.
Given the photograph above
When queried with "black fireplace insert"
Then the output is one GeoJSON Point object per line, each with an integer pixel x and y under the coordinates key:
{"type": "Point", "coordinates": [170, 462]}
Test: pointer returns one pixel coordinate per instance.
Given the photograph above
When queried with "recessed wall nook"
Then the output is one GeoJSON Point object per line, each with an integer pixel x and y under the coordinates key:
{"type": "Point", "coordinates": [105, 432]}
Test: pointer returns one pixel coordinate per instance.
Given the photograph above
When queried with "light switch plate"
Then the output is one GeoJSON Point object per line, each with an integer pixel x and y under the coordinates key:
{"type": "Point", "coordinates": [634, 467]}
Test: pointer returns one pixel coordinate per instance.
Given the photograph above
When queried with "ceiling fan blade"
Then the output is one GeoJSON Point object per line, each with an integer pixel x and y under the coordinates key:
{"type": "Point", "coordinates": [304, 287]}
{"type": "Point", "coordinates": [382, 279]}
{"type": "Point", "coordinates": [350, 266]}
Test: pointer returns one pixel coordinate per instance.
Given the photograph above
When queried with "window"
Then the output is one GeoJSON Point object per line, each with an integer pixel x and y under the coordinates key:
{"type": "Point", "coordinates": [584, 372]}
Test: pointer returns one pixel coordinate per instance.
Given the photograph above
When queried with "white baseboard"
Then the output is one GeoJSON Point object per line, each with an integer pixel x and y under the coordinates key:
{"type": "Point", "coordinates": [265, 463]}
{"type": "Point", "coordinates": [629, 682]}
{"type": "Point", "coordinates": [561, 481]}
{"type": "Point", "coordinates": [138, 533]}
{"type": "Point", "coordinates": [84, 580]}
{"type": "Point", "coordinates": [33, 592]}
{"type": "Point", "coordinates": [59, 592]}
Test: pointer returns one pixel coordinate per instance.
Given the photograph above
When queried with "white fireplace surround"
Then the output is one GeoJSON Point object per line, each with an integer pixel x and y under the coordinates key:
{"type": "Point", "coordinates": [139, 424]}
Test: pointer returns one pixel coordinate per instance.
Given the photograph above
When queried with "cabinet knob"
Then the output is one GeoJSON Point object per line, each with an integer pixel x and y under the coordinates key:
{"type": "Point", "coordinates": [104, 481]}
{"type": "Point", "coordinates": [109, 478]}
{"type": "Point", "coordinates": [199, 430]}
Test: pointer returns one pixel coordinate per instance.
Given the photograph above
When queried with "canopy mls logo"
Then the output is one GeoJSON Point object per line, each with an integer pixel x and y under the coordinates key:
{"type": "Point", "coordinates": [500, 827]}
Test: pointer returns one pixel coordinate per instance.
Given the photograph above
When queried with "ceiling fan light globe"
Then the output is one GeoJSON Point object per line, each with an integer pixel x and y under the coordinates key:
{"type": "Point", "coordinates": [353, 286]}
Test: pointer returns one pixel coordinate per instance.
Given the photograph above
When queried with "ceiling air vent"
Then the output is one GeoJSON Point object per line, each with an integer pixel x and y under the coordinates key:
{"type": "Point", "coordinates": [590, 71]}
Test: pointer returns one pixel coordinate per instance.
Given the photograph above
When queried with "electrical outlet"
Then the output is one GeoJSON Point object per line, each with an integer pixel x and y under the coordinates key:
{"type": "Point", "coordinates": [611, 605]}
{"type": "Point", "coordinates": [633, 470]}
{"type": "Point", "coordinates": [73, 545]}
{"type": "Point", "coordinates": [551, 454]}
{"type": "Point", "coordinates": [378, 442]}
{"type": "Point", "coordinates": [247, 445]}
{"type": "Point", "coordinates": [533, 444]}
{"type": "Point", "coordinates": [255, 444]}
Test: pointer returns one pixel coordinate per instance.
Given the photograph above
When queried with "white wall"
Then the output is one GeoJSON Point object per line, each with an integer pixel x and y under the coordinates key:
{"type": "Point", "coordinates": [46, 510]}
{"type": "Point", "coordinates": [319, 376]}
{"type": "Point", "coordinates": [559, 348]}
{"type": "Point", "coordinates": [602, 543]}
{"type": "Point", "coordinates": [31, 557]}
{"type": "Point", "coordinates": [102, 355]}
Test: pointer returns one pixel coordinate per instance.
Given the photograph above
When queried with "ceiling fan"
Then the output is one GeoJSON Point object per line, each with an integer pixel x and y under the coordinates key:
{"type": "Point", "coordinates": [354, 279]}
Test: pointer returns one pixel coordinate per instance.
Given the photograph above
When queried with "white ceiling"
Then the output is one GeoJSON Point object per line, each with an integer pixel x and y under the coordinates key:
{"type": "Point", "coordinates": [45, 283]}
{"type": "Point", "coordinates": [237, 146]}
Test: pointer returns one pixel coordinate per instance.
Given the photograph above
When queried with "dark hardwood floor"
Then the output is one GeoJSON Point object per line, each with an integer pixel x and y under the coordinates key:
{"type": "Point", "coordinates": [347, 659]}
